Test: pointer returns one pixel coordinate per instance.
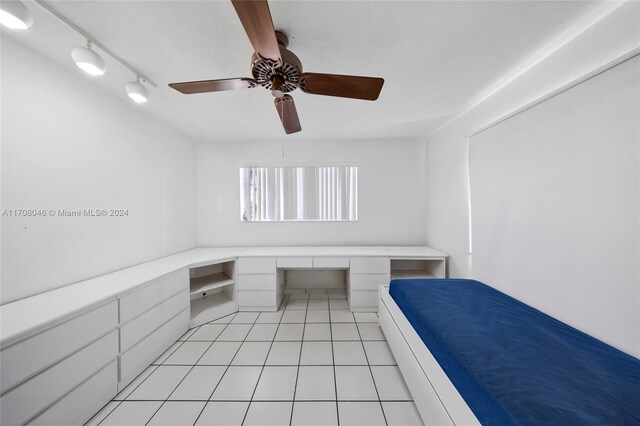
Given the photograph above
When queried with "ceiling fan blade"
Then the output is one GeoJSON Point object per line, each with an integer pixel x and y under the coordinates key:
{"type": "Point", "coordinates": [343, 86]}
{"type": "Point", "coordinates": [204, 86]}
{"type": "Point", "coordinates": [288, 114]}
{"type": "Point", "coordinates": [256, 20]}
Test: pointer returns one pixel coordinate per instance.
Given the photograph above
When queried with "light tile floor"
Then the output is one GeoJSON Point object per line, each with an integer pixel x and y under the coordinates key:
{"type": "Point", "coordinates": [311, 363]}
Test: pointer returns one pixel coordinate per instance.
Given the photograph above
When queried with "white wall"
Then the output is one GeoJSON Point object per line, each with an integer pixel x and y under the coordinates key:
{"type": "Point", "coordinates": [446, 151]}
{"type": "Point", "coordinates": [555, 202]}
{"type": "Point", "coordinates": [390, 193]}
{"type": "Point", "coordinates": [69, 144]}
{"type": "Point", "coordinates": [447, 217]}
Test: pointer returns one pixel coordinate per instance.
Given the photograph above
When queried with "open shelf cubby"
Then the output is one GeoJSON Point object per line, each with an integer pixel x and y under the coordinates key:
{"type": "Point", "coordinates": [417, 268]}
{"type": "Point", "coordinates": [212, 291]}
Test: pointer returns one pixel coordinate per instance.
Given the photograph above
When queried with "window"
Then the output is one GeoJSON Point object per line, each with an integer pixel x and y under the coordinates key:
{"type": "Point", "coordinates": [321, 193]}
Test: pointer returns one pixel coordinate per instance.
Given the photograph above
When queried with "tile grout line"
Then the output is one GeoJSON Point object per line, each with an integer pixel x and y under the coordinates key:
{"type": "Point", "coordinates": [295, 387]}
{"type": "Point", "coordinates": [286, 302]}
{"type": "Point", "coordinates": [108, 414]}
{"type": "Point", "coordinates": [192, 367]}
{"type": "Point", "coordinates": [182, 342]}
{"type": "Point", "coordinates": [263, 366]}
{"type": "Point", "coordinates": [333, 362]}
{"type": "Point", "coordinates": [230, 362]}
{"type": "Point", "coordinates": [373, 379]}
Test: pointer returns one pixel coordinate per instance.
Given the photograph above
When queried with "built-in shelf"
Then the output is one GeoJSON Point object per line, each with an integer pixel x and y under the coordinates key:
{"type": "Point", "coordinates": [418, 268]}
{"type": "Point", "coordinates": [211, 307]}
{"type": "Point", "coordinates": [213, 292]}
{"type": "Point", "coordinates": [397, 274]}
{"type": "Point", "coordinates": [202, 285]}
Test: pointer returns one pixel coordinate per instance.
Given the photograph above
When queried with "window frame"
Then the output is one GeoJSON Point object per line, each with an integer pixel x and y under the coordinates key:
{"type": "Point", "coordinates": [299, 164]}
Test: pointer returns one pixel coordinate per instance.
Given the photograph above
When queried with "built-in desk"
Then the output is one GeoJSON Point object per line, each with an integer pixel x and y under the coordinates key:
{"type": "Point", "coordinates": [66, 352]}
{"type": "Point", "coordinates": [261, 270]}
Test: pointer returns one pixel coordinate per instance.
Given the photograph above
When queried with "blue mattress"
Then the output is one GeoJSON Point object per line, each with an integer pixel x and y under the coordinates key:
{"type": "Point", "coordinates": [513, 364]}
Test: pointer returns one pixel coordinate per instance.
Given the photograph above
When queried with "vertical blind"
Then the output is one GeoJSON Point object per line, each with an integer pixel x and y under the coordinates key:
{"type": "Point", "coordinates": [322, 193]}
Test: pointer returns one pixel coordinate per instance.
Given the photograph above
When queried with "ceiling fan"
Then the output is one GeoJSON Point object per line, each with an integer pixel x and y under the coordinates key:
{"type": "Point", "coordinates": [279, 70]}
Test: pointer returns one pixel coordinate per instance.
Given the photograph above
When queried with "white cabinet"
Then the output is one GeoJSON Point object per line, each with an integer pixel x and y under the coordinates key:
{"type": "Point", "coordinates": [371, 282]}
{"type": "Point", "coordinates": [29, 357]}
{"type": "Point", "coordinates": [151, 319]}
{"type": "Point", "coordinates": [83, 402]}
{"type": "Point", "coordinates": [24, 402]}
{"type": "Point", "coordinates": [366, 275]}
{"type": "Point", "coordinates": [370, 265]}
{"type": "Point", "coordinates": [40, 370]}
{"type": "Point", "coordinates": [294, 262]}
{"type": "Point", "coordinates": [212, 290]}
{"type": "Point", "coordinates": [136, 330]}
{"type": "Point", "coordinates": [257, 265]}
{"type": "Point", "coordinates": [259, 281]}
{"type": "Point", "coordinates": [419, 268]}
{"type": "Point", "coordinates": [141, 355]}
{"type": "Point", "coordinates": [139, 301]}
{"type": "Point", "coordinates": [364, 300]}
{"type": "Point", "coordinates": [331, 262]}
{"type": "Point", "coordinates": [257, 299]}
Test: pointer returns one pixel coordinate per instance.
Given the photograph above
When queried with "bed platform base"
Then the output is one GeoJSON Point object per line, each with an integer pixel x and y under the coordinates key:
{"type": "Point", "coordinates": [436, 398]}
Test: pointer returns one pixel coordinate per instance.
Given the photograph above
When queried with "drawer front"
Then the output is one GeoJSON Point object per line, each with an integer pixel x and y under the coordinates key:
{"type": "Point", "coordinates": [83, 402]}
{"type": "Point", "coordinates": [256, 265]}
{"type": "Point", "coordinates": [365, 299]}
{"type": "Point", "coordinates": [25, 401]}
{"type": "Point", "coordinates": [431, 409]}
{"type": "Point", "coordinates": [144, 299]}
{"type": "Point", "coordinates": [370, 265]}
{"type": "Point", "coordinates": [24, 359]}
{"type": "Point", "coordinates": [145, 324]}
{"type": "Point", "coordinates": [368, 281]}
{"type": "Point", "coordinates": [257, 282]}
{"type": "Point", "coordinates": [256, 298]}
{"type": "Point", "coordinates": [295, 262]}
{"type": "Point", "coordinates": [144, 353]}
{"type": "Point", "coordinates": [331, 262]}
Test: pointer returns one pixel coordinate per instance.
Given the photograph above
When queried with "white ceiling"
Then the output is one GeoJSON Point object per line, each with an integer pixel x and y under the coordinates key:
{"type": "Point", "coordinates": [435, 56]}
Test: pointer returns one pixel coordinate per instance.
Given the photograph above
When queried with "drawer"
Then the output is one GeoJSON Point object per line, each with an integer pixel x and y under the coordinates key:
{"type": "Point", "coordinates": [367, 281]}
{"type": "Point", "coordinates": [294, 262]}
{"type": "Point", "coordinates": [365, 299]}
{"type": "Point", "coordinates": [24, 359]}
{"type": "Point", "coordinates": [331, 262]}
{"type": "Point", "coordinates": [265, 282]}
{"type": "Point", "coordinates": [25, 401]}
{"type": "Point", "coordinates": [432, 411]}
{"type": "Point", "coordinates": [257, 299]}
{"type": "Point", "coordinates": [144, 353]}
{"type": "Point", "coordinates": [84, 401]}
{"type": "Point", "coordinates": [370, 265]}
{"type": "Point", "coordinates": [256, 265]}
{"type": "Point", "coordinates": [144, 299]}
{"type": "Point", "coordinates": [145, 324]}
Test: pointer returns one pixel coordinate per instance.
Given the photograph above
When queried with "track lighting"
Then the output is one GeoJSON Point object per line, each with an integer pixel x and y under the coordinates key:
{"type": "Point", "coordinates": [88, 60]}
{"type": "Point", "coordinates": [15, 15]}
{"type": "Point", "coordinates": [137, 91]}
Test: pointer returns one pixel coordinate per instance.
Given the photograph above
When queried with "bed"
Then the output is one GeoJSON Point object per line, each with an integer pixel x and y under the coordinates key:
{"type": "Point", "coordinates": [473, 355]}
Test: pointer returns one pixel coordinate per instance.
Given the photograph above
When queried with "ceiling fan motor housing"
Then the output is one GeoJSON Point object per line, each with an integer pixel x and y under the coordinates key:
{"type": "Point", "coordinates": [290, 70]}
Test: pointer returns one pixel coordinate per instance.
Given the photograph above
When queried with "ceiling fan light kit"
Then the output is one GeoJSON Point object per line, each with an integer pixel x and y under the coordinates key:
{"type": "Point", "coordinates": [15, 15]}
{"type": "Point", "coordinates": [279, 70]}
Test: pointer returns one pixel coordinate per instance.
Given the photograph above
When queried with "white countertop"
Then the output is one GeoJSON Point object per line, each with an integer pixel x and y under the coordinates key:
{"type": "Point", "coordinates": [26, 317]}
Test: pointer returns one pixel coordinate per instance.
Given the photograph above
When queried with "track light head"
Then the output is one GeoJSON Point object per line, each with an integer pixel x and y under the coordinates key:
{"type": "Point", "coordinates": [137, 91]}
{"type": "Point", "coordinates": [88, 60]}
{"type": "Point", "coordinates": [15, 15]}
